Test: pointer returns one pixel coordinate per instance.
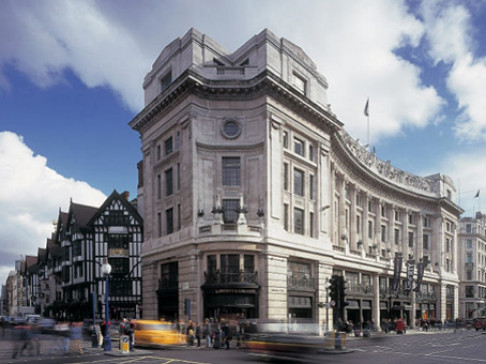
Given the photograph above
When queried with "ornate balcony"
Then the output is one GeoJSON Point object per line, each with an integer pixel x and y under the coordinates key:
{"type": "Point", "coordinates": [240, 279]}
{"type": "Point", "coordinates": [298, 280]}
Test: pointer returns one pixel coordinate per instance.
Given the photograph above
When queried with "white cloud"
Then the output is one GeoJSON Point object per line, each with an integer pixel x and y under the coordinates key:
{"type": "Point", "coordinates": [45, 38]}
{"type": "Point", "coordinates": [467, 170]}
{"type": "Point", "coordinates": [115, 43]}
{"type": "Point", "coordinates": [449, 32]}
{"type": "Point", "coordinates": [31, 194]}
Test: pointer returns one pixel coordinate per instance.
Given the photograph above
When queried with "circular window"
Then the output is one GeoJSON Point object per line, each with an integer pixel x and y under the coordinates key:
{"type": "Point", "coordinates": [231, 129]}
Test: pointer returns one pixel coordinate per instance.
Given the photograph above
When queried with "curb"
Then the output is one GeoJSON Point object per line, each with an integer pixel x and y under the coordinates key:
{"type": "Point", "coordinates": [336, 351]}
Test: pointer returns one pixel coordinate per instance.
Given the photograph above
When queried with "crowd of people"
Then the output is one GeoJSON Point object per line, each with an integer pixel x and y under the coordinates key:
{"type": "Point", "coordinates": [27, 338]}
{"type": "Point", "coordinates": [216, 334]}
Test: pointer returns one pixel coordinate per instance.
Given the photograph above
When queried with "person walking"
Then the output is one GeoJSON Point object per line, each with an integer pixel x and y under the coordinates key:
{"type": "Point", "coordinates": [208, 332]}
{"type": "Point", "coordinates": [76, 334]}
{"type": "Point", "coordinates": [197, 332]}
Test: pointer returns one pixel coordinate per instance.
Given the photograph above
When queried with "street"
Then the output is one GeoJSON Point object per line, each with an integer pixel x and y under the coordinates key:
{"type": "Point", "coordinates": [465, 346]}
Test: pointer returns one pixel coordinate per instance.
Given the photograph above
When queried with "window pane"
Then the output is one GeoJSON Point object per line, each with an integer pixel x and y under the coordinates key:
{"type": "Point", "coordinates": [230, 211]}
{"type": "Point", "coordinates": [231, 171]}
{"type": "Point", "coordinates": [299, 147]}
{"type": "Point", "coordinates": [169, 187]}
{"type": "Point", "coordinates": [298, 182]}
{"type": "Point", "coordinates": [299, 221]}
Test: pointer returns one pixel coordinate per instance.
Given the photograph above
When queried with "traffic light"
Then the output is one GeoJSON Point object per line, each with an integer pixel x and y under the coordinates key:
{"type": "Point", "coordinates": [333, 288]}
{"type": "Point", "coordinates": [187, 306]}
{"type": "Point", "coordinates": [343, 287]}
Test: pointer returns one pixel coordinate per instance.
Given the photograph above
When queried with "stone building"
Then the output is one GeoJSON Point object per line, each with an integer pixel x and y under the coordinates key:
{"type": "Point", "coordinates": [472, 266]}
{"type": "Point", "coordinates": [254, 195]}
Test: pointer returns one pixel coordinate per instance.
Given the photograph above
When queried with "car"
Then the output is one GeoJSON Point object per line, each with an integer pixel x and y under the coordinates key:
{"type": "Point", "coordinates": [480, 323]}
{"type": "Point", "coordinates": [153, 333]}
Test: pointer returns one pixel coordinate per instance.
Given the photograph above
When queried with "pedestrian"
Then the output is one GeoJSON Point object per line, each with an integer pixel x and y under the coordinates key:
{"type": "Point", "coordinates": [225, 332]}
{"type": "Point", "coordinates": [208, 332]}
{"type": "Point", "coordinates": [190, 333]}
{"type": "Point", "coordinates": [76, 335]}
{"type": "Point", "coordinates": [197, 332]}
{"type": "Point", "coordinates": [121, 330]}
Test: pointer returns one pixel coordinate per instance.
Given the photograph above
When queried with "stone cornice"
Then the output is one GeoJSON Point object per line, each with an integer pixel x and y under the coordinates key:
{"type": "Point", "coordinates": [266, 82]}
{"type": "Point", "coordinates": [232, 146]}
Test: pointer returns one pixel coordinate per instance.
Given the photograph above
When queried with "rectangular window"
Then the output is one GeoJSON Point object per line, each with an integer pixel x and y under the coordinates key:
{"type": "Point", "coordinates": [285, 139]}
{"type": "Point", "coordinates": [410, 219]}
{"type": "Point", "coordinates": [468, 244]}
{"type": "Point", "coordinates": [468, 258]}
{"type": "Point", "coordinates": [169, 275]}
{"type": "Point", "coordinates": [426, 242]}
{"type": "Point", "coordinates": [448, 245]}
{"type": "Point", "coordinates": [370, 229]}
{"type": "Point", "coordinates": [311, 224]}
{"type": "Point", "coordinates": [168, 146]}
{"type": "Point", "coordinates": [178, 176]}
{"type": "Point", "coordinates": [230, 210]}
{"type": "Point", "coordinates": [159, 187]}
{"type": "Point", "coordinates": [383, 211]}
{"type": "Point", "coordinates": [397, 236]}
{"type": "Point", "coordinates": [469, 291]}
{"type": "Point", "coordinates": [119, 265]}
{"type": "Point", "coordinates": [397, 215]}
{"type": "Point", "coordinates": [299, 83]}
{"type": "Point", "coordinates": [311, 152]}
{"type": "Point", "coordinates": [383, 233]}
{"type": "Point", "coordinates": [468, 228]}
{"type": "Point", "coordinates": [230, 268]}
{"type": "Point", "coordinates": [212, 266]}
{"type": "Point", "coordinates": [158, 153]}
{"type": "Point", "coordinates": [169, 187]}
{"type": "Point", "coordinates": [286, 177]}
{"type": "Point", "coordinates": [370, 206]}
{"type": "Point", "coordinates": [159, 224]}
{"type": "Point", "coordinates": [179, 217]}
{"type": "Point", "coordinates": [358, 224]}
{"type": "Point", "coordinates": [298, 182]}
{"type": "Point", "coordinates": [359, 200]}
{"type": "Point", "coordinates": [469, 275]}
{"type": "Point", "coordinates": [299, 147]}
{"type": "Point", "coordinates": [169, 220]}
{"type": "Point", "coordinates": [165, 81]}
{"type": "Point", "coordinates": [410, 239]}
{"type": "Point", "coordinates": [311, 187]}
{"type": "Point", "coordinates": [286, 217]}
{"type": "Point", "coordinates": [299, 221]}
{"type": "Point", "coordinates": [231, 171]}
{"type": "Point", "coordinates": [448, 265]}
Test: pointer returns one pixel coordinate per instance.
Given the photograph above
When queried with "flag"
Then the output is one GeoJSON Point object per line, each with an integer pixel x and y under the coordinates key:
{"type": "Point", "coordinates": [397, 270]}
{"type": "Point", "coordinates": [366, 107]}
{"type": "Point", "coordinates": [477, 194]}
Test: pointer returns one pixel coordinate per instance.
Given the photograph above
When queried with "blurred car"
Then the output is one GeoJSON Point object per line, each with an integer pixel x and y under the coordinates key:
{"type": "Point", "coordinates": [280, 340]}
{"type": "Point", "coordinates": [480, 323]}
{"type": "Point", "coordinates": [155, 333]}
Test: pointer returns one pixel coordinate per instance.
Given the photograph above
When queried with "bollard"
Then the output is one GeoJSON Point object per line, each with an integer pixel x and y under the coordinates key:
{"type": "Point", "coordinates": [124, 345]}
{"type": "Point", "coordinates": [337, 341]}
{"type": "Point", "coordinates": [343, 341]}
{"type": "Point", "coordinates": [329, 341]}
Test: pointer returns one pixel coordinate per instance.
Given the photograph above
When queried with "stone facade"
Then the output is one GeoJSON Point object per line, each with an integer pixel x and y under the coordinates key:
{"type": "Point", "coordinates": [254, 195]}
{"type": "Point", "coordinates": [471, 266]}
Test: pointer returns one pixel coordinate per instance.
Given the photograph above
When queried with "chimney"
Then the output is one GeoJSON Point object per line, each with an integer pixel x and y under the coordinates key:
{"type": "Point", "coordinates": [126, 195]}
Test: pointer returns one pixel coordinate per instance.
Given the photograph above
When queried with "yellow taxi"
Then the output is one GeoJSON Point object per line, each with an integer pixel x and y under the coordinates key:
{"type": "Point", "coordinates": [156, 333]}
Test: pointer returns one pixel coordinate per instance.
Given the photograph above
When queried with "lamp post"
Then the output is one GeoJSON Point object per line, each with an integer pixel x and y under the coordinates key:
{"type": "Point", "coordinates": [106, 269]}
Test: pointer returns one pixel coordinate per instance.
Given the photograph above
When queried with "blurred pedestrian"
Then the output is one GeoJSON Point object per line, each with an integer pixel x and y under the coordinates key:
{"type": "Point", "coordinates": [208, 332]}
{"type": "Point", "coordinates": [76, 336]}
{"type": "Point", "coordinates": [197, 333]}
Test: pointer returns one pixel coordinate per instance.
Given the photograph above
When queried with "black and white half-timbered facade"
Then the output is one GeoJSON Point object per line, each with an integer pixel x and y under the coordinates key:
{"type": "Point", "coordinates": [85, 238]}
{"type": "Point", "coordinates": [117, 233]}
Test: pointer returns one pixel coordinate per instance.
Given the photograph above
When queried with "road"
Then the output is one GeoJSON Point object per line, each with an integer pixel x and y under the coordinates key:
{"type": "Point", "coordinates": [465, 346]}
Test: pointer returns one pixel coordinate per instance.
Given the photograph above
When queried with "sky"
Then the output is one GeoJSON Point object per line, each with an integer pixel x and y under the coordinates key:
{"type": "Point", "coordinates": [71, 76]}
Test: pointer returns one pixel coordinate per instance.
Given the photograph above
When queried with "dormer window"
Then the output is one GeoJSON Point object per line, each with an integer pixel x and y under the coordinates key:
{"type": "Point", "coordinates": [165, 81]}
{"type": "Point", "coordinates": [299, 83]}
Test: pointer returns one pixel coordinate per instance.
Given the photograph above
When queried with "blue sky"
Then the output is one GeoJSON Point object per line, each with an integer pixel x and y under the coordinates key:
{"type": "Point", "coordinates": [71, 76]}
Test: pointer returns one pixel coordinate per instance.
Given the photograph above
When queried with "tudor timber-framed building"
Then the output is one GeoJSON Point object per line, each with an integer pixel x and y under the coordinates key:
{"type": "Point", "coordinates": [254, 195]}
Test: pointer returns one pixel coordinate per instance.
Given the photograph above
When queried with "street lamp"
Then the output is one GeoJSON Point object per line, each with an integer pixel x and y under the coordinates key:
{"type": "Point", "coordinates": [106, 269]}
